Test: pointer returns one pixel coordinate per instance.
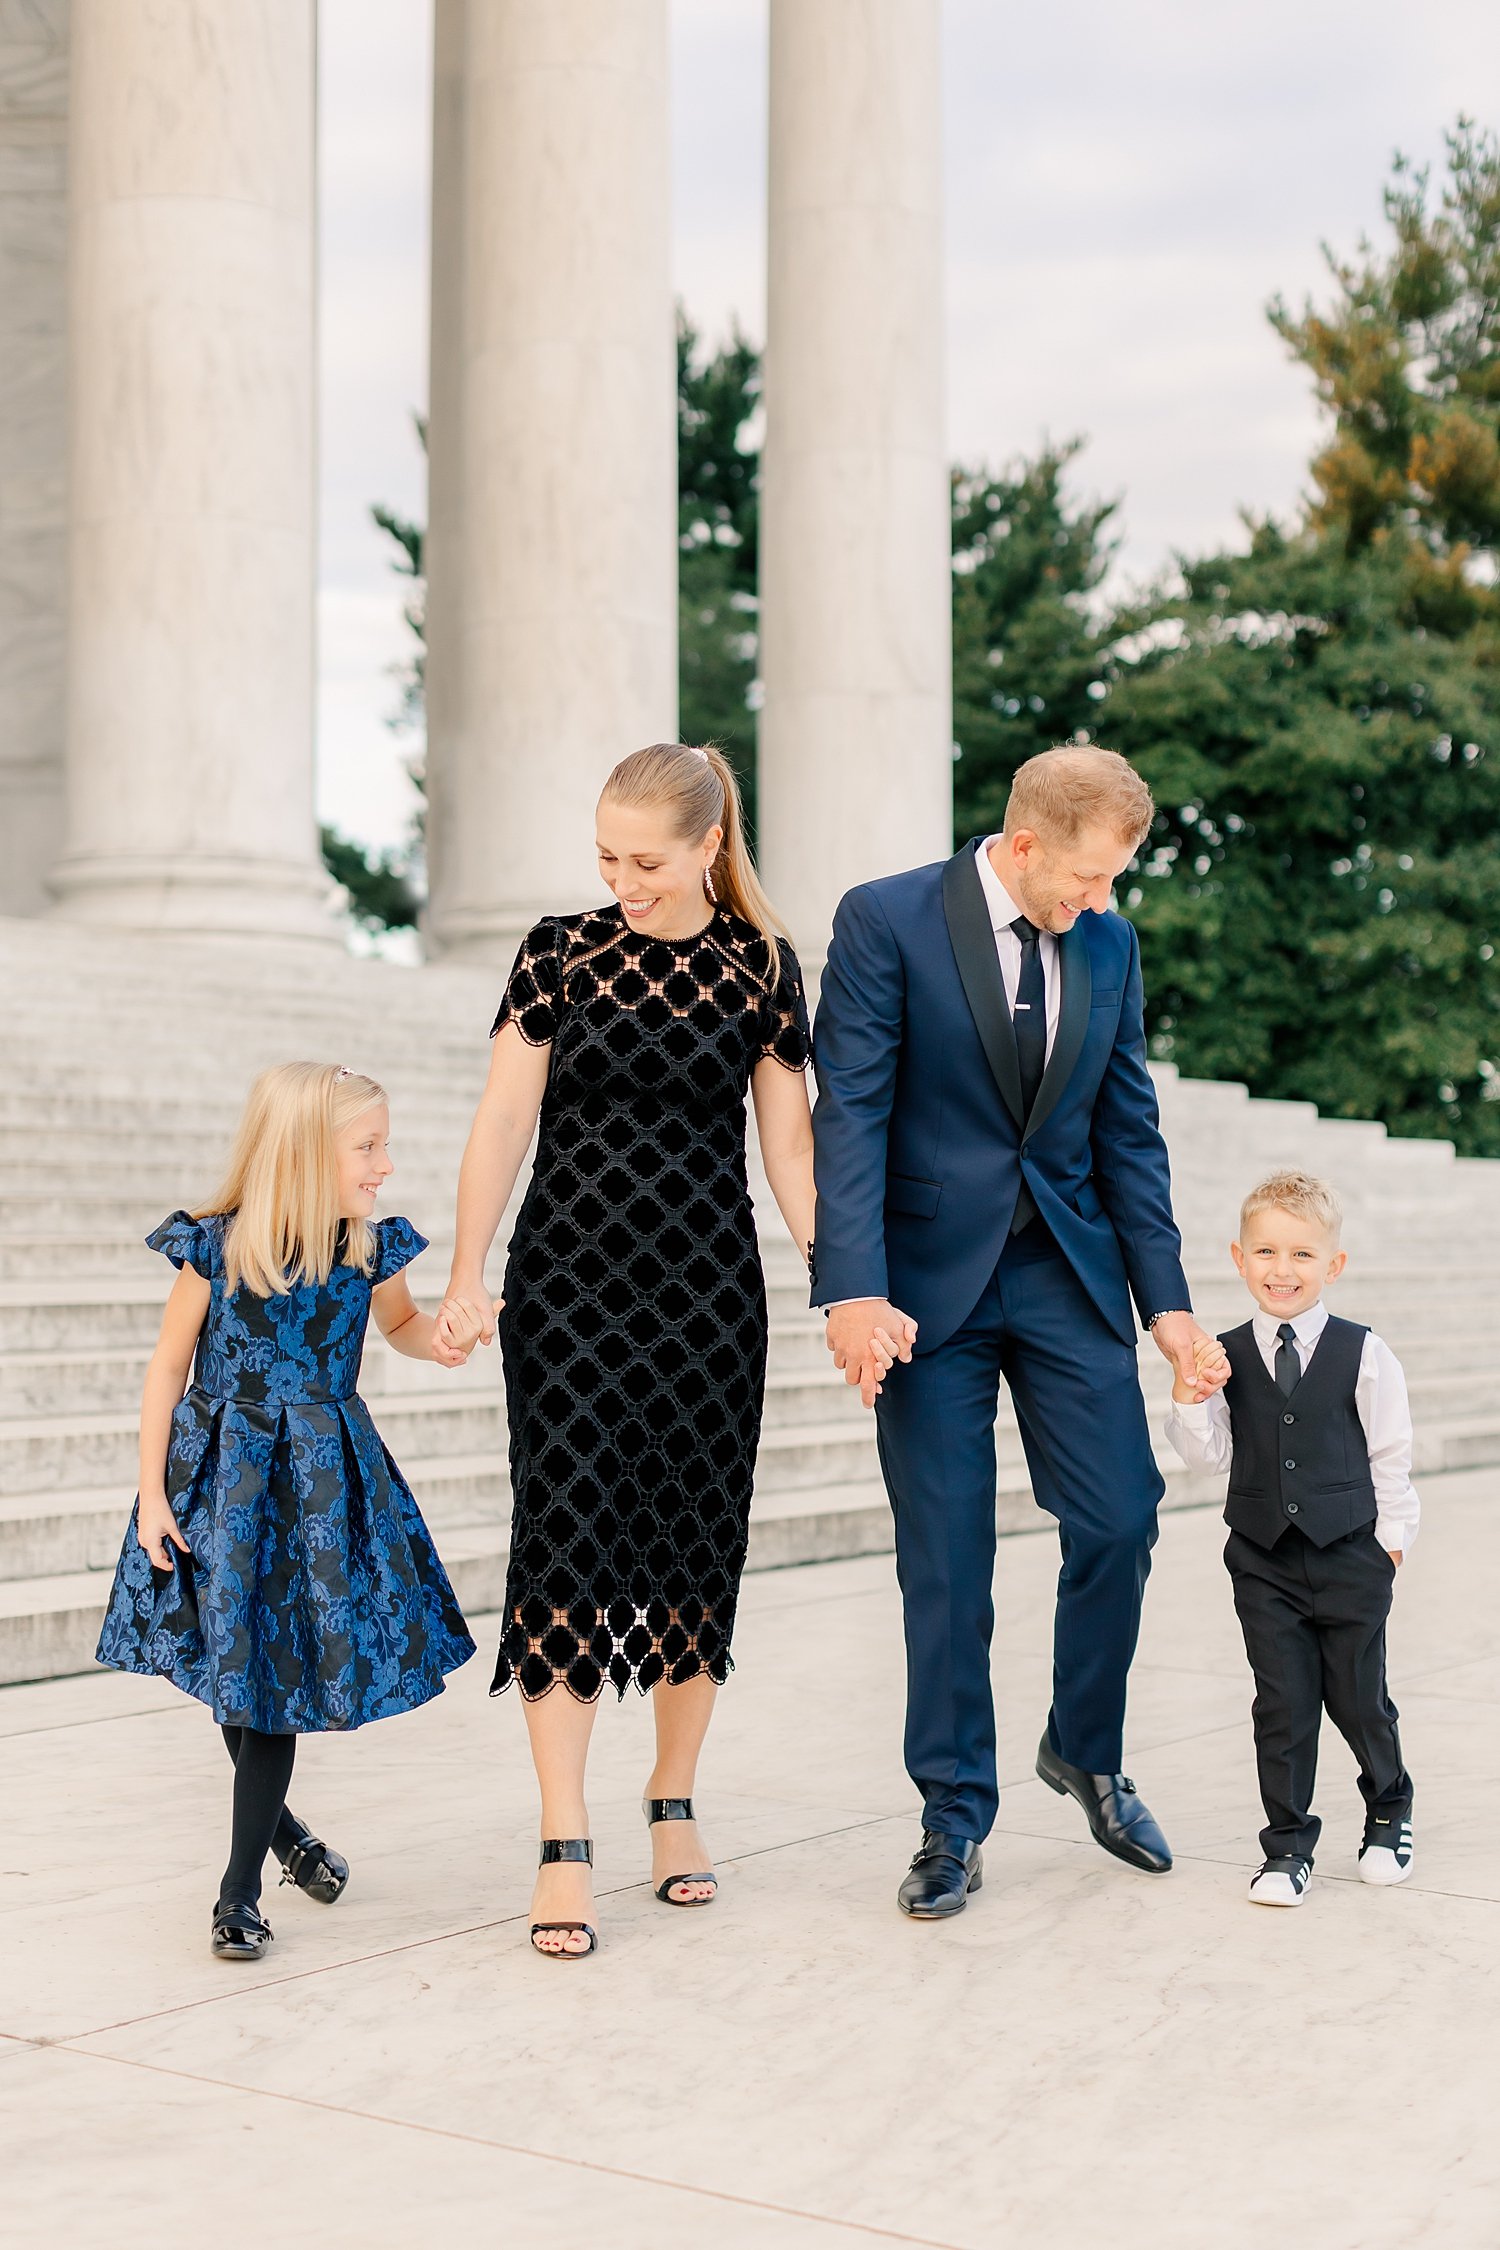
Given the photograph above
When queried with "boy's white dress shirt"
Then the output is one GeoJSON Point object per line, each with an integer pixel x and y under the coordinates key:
{"type": "Point", "coordinates": [1200, 1430]}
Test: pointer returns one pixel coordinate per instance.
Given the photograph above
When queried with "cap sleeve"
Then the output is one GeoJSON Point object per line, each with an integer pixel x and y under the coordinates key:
{"type": "Point", "coordinates": [397, 1242]}
{"type": "Point", "coordinates": [533, 996]}
{"type": "Point", "coordinates": [786, 1035]}
{"type": "Point", "coordinates": [187, 1242]}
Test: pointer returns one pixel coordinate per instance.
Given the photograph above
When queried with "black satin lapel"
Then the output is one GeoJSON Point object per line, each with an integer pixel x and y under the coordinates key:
{"type": "Point", "coordinates": [973, 942]}
{"type": "Point", "coordinates": [1072, 1023]}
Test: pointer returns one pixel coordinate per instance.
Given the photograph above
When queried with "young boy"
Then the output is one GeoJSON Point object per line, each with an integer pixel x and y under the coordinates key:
{"type": "Point", "coordinates": [1312, 1423]}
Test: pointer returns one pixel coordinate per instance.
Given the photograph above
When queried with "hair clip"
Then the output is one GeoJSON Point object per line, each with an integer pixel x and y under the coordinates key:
{"type": "Point", "coordinates": [343, 1071]}
{"type": "Point", "coordinates": [697, 753]}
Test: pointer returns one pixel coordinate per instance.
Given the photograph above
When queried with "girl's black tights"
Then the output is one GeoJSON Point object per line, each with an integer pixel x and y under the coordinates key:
{"type": "Point", "coordinates": [262, 1776]}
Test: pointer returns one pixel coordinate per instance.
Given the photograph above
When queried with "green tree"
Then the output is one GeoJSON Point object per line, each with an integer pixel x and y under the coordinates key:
{"type": "Point", "coordinates": [718, 502]}
{"type": "Point", "coordinates": [1029, 639]}
{"type": "Point", "coordinates": [1319, 716]}
{"type": "Point", "coordinates": [384, 888]}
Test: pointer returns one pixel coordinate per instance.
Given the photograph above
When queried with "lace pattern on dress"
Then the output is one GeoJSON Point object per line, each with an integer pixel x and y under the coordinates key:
{"type": "Point", "coordinates": [634, 1330]}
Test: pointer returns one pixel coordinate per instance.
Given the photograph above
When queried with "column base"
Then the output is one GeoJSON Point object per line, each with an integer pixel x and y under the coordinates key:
{"type": "Point", "coordinates": [485, 934]}
{"type": "Point", "coordinates": [203, 897]}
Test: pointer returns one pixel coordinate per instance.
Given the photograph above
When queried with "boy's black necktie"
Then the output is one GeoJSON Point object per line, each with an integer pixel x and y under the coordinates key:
{"type": "Point", "coordinates": [1030, 1013]}
{"type": "Point", "coordinates": [1288, 1365]}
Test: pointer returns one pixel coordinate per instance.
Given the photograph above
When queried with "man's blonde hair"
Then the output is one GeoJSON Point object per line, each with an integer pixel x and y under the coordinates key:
{"type": "Point", "coordinates": [281, 1192]}
{"type": "Point", "coordinates": [1060, 793]}
{"type": "Point", "coordinates": [1301, 1196]}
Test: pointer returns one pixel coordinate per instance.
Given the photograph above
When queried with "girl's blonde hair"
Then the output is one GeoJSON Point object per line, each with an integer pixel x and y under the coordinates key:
{"type": "Point", "coordinates": [698, 790]}
{"type": "Point", "coordinates": [281, 1192]}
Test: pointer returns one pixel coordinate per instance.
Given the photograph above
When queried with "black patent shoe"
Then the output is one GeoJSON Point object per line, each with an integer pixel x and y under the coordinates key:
{"type": "Point", "coordinates": [1116, 1815]}
{"type": "Point", "coordinates": [556, 1849]}
{"type": "Point", "coordinates": [677, 1808]}
{"type": "Point", "coordinates": [943, 1872]}
{"type": "Point", "coordinates": [240, 1932]}
{"type": "Point", "coordinates": [316, 1868]}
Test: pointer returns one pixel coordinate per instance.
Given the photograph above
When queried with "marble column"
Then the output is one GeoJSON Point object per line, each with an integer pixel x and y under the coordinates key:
{"type": "Point", "coordinates": [551, 552]}
{"type": "Point", "coordinates": [191, 459]}
{"type": "Point", "coordinates": [856, 730]}
{"type": "Point", "coordinates": [33, 442]}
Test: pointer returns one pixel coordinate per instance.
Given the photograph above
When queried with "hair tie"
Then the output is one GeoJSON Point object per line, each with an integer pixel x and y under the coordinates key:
{"type": "Point", "coordinates": [697, 753]}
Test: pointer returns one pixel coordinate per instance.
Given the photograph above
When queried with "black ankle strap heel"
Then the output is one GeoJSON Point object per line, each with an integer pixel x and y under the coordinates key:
{"type": "Point", "coordinates": [676, 1808]}
{"type": "Point", "coordinates": [555, 1851]}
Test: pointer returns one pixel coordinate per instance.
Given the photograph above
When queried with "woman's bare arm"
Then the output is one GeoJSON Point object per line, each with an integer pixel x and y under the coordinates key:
{"type": "Point", "coordinates": [498, 1140]}
{"type": "Point", "coordinates": [783, 1120]}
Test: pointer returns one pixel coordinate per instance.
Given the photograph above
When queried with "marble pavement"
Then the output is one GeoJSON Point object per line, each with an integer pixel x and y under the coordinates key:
{"type": "Point", "coordinates": [1086, 2057]}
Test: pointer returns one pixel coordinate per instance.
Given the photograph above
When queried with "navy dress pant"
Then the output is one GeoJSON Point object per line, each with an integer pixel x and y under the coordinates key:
{"type": "Point", "coordinates": [1078, 1401]}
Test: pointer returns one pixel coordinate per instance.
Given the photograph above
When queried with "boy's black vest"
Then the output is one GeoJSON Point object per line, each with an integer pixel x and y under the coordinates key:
{"type": "Point", "coordinates": [1300, 1458]}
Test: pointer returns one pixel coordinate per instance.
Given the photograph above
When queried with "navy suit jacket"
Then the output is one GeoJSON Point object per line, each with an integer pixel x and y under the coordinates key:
{"type": "Point", "coordinates": [921, 1147]}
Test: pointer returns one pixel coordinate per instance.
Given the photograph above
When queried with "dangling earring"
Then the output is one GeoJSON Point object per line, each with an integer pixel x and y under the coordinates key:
{"type": "Point", "coordinates": [708, 888]}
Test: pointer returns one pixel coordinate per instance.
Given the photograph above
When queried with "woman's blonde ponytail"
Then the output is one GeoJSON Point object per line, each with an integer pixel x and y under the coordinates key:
{"type": "Point", "coordinates": [700, 788]}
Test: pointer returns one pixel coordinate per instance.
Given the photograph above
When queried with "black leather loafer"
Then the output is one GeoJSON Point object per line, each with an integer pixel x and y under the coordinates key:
{"type": "Point", "coordinates": [240, 1932]}
{"type": "Point", "coordinates": [315, 1867]}
{"type": "Point", "coordinates": [1119, 1820]}
{"type": "Point", "coordinates": [941, 1876]}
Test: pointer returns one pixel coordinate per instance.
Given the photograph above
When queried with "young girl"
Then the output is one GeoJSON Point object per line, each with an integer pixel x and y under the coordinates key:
{"type": "Point", "coordinates": [277, 1566]}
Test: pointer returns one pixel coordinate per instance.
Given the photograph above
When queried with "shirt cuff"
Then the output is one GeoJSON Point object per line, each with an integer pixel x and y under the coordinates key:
{"type": "Point", "coordinates": [1193, 1413]}
{"type": "Point", "coordinates": [1397, 1534]}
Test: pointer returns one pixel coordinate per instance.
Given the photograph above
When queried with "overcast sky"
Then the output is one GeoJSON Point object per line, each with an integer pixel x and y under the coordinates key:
{"type": "Point", "coordinates": [1127, 186]}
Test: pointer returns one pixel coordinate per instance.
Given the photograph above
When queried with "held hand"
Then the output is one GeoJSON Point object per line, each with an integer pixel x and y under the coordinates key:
{"type": "Point", "coordinates": [1177, 1337]}
{"type": "Point", "coordinates": [155, 1526]}
{"type": "Point", "coordinates": [466, 1316]}
{"type": "Point", "coordinates": [866, 1337]}
{"type": "Point", "coordinates": [1210, 1374]}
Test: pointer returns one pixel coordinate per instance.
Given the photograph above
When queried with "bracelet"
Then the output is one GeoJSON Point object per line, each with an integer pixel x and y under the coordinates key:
{"type": "Point", "coordinates": [1163, 1314]}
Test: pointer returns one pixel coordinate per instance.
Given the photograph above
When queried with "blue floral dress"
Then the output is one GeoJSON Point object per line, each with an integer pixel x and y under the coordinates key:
{"type": "Point", "coordinates": [312, 1597]}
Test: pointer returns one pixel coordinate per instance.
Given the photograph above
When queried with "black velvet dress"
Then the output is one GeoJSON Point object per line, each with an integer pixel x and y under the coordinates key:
{"type": "Point", "coordinates": [634, 1328]}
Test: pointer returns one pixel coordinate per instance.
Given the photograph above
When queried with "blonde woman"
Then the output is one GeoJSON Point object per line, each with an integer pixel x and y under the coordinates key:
{"type": "Point", "coordinates": [634, 1315]}
{"type": "Point", "coordinates": [276, 1565]}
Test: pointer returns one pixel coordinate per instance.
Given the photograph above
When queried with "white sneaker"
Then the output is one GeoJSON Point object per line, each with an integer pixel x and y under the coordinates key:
{"type": "Point", "coordinates": [1385, 1854]}
{"type": "Point", "coordinates": [1281, 1882]}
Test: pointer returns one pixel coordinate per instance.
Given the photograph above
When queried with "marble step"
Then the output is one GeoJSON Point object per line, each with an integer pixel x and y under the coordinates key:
{"type": "Point", "coordinates": [49, 1623]}
{"type": "Point", "coordinates": [1457, 1424]}
{"type": "Point", "coordinates": [41, 1452]}
{"type": "Point", "coordinates": [109, 1378]}
{"type": "Point", "coordinates": [44, 1534]}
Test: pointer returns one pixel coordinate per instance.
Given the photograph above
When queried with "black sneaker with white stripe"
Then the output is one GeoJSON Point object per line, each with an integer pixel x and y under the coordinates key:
{"type": "Point", "coordinates": [1281, 1882]}
{"type": "Point", "coordinates": [1385, 1854]}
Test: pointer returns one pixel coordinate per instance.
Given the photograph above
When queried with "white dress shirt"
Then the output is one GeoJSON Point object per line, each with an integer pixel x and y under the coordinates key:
{"type": "Point", "coordinates": [1003, 911]}
{"type": "Point", "coordinates": [1200, 1431]}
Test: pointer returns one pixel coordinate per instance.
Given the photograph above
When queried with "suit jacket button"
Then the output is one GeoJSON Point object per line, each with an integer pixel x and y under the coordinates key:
{"type": "Point", "coordinates": [1289, 1464]}
{"type": "Point", "coordinates": [1288, 1417]}
{"type": "Point", "coordinates": [1291, 1507]}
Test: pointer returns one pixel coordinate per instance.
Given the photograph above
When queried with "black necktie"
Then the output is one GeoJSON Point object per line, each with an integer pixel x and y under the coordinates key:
{"type": "Point", "coordinates": [1030, 1015]}
{"type": "Point", "coordinates": [1288, 1365]}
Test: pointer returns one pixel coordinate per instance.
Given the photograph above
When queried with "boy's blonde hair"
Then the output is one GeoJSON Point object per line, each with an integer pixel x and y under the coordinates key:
{"type": "Point", "coordinates": [1299, 1194]}
{"type": "Point", "coordinates": [281, 1191]}
{"type": "Point", "coordinates": [1059, 793]}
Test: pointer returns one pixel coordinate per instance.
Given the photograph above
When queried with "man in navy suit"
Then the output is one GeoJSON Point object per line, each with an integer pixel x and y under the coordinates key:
{"type": "Point", "coordinates": [993, 1190]}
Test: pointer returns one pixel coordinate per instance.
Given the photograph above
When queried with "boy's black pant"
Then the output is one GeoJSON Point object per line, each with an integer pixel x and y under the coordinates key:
{"type": "Point", "coordinates": [1314, 1625]}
